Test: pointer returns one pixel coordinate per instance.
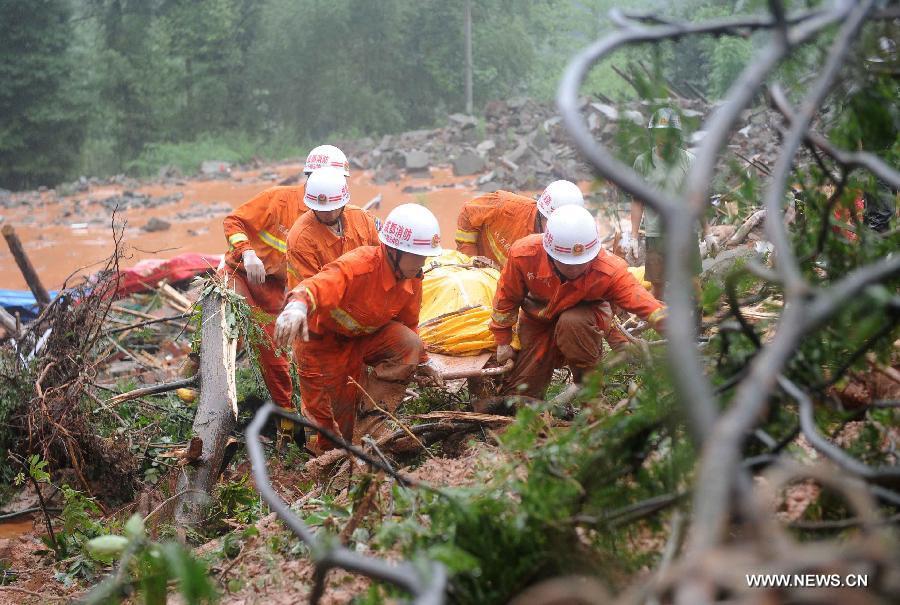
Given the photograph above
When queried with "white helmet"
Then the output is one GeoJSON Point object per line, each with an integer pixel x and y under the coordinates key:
{"type": "Point", "coordinates": [326, 155]}
{"type": "Point", "coordinates": [571, 236]}
{"type": "Point", "coordinates": [326, 189]}
{"type": "Point", "coordinates": [412, 228]}
{"type": "Point", "coordinates": [558, 194]}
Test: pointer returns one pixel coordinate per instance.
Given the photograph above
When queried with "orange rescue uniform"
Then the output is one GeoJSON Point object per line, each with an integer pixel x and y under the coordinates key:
{"type": "Point", "coordinates": [262, 224]}
{"type": "Point", "coordinates": [311, 244]}
{"type": "Point", "coordinates": [359, 314]}
{"type": "Point", "coordinates": [561, 321]}
{"type": "Point", "coordinates": [489, 224]}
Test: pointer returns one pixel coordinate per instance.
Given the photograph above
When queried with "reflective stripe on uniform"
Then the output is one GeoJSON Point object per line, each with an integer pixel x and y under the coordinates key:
{"type": "Point", "coordinates": [468, 237]}
{"type": "Point", "coordinates": [504, 319]}
{"type": "Point", "coordinates": [310, 299]}
{"type": "Point", "coordinates": [499, 252]}
{"type": "Point", "coordinates": [346, 321]}
{"type": "Point", "coordinates": [271, 240]}
{"type": "Point", "coordinates": [236, 238]}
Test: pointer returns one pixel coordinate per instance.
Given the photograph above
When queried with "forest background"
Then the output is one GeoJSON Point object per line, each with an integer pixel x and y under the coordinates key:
{"type": "Point", "coordinates": [102, 87]}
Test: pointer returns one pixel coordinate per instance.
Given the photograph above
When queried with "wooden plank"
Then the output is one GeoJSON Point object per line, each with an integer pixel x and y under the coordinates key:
{"type": "Point", "coordinates": [216, 414]}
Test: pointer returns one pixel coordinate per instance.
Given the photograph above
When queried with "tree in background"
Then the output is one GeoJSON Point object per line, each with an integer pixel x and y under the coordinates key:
{"type": "Point", "coordinates": [41, 118]}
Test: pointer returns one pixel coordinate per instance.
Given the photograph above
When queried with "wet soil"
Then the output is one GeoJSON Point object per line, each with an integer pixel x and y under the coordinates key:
{"type": "Point", "coordinates": [66, 235]}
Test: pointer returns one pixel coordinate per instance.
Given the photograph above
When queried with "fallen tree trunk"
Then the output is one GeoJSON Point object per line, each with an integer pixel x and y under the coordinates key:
{"type": "Point", "coordinates": [216, 413]}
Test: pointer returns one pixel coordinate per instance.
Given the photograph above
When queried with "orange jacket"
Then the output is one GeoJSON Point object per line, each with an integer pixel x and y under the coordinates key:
{"type": "Point", "coordinates": [311, 244]}
{"type": "Point", "coordinates": [357, 294]}
{"type": "Point", "coordinates": [262, 224]}
{"type": "Point", "coordinates": [530, 282]}
{"type": "Point", "coordinates": [489, 224]}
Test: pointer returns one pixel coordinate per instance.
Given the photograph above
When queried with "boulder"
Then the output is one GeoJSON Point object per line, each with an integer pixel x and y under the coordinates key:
{"type": "Point", "coordinates": [416, 160]}
{"type": "Point", "coordinates": [463, 121]}
{"type": "Point", "coordinates": [156, 224]}
{"type": "Point", "coordinates": [215, 167]}
{"type": "Point", "coordinates": [467, 163]}
{"type": "Point", "coordinates": [485, 146]}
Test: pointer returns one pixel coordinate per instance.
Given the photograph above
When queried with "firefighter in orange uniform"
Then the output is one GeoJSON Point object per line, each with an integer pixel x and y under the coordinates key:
{"type": "Point", "coordinates": [488, 225]}
{"type": "Point", "coordinates": [552, 285]}
{"type": "Point", "coordinates": [256, 268]}
{"type": "Point", "coordinates": [333, 228]}
{"type": "Point", "coordinates": [362, 309]}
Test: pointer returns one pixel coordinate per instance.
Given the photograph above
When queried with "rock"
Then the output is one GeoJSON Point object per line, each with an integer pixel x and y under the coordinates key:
{"type": "Point", "coordinates": [517, 103]}
{"type": "Point", "coordinates": [416, 189]}
{"type": "Point", "coordinates": [467, 163]}
{"type": "Point", "coordinates": [463, 121]}
{"type": "Point", "coordinates": [593, 121]}
{"type": "Point", "coordinates": [485, 146]}
{"type": "Point", "coordinates": [519, 152]}
{"type": "Point", "coordinates": [485, 178]}
{"type": "Point", "coordinates": [215, 167]}
{"type": "Point", "coordinates": [385, 174]}
{"type": "Point", "coordinates": [417, 160]}
{"type": "Point", "coordinates": [635, 116]}
{"type": "Point", "coordinates": [156, 224]}
{"type": "Point", "coordinates": [717, 268]}
{"type": "Point", "coordinates": [608, 111]}
{"type": "Point", "coordinates": [490, 186]}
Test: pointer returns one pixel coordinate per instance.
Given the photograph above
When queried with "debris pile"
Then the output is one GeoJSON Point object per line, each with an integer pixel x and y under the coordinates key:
{"type": "Point", "coordinates": [521, 144]}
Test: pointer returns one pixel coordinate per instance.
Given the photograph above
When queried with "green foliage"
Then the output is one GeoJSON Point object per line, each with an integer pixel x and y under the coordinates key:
{"type": "Point", "coordinates": [520, 522]}
{"type": "Point", "coordinates": [41, 118]}
{"type": "Point", "coordinates": [728, 59]}
{"type": "Point", "coordinates": [238, 500]}
{"type": "Point", "coordinates": [147, 567]}
{"type": "Point", "coordinates": [188, 155]}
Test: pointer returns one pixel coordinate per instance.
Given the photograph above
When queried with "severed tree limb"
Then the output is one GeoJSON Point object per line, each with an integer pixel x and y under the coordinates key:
{"type": "Point", "coordinates": [215, 416]}
{"type": "Point", "coordinates": [31, 277]}
{"type": "Point", "coordinates": [155, 389]}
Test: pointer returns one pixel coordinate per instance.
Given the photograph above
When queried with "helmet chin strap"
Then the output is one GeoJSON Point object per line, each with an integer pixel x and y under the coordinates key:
{"type": "Point", "coordinates": [394, 258]}
{"type": "Point", "coordinates": [332, 223]}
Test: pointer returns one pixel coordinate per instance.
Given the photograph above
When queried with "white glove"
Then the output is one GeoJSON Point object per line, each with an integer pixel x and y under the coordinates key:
{"type": "Point", "coordinates": [255, 269]}
{"type": "Point", "coordinates": [291, 323]}
{"type": "Point", "coordinates": [428, 373]}
{"type": "Point", "coordinates": [505, 353]}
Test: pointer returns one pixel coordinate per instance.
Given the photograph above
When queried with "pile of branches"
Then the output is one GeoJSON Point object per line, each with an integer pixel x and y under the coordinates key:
{"type": "Point", "coordinates": [52, 366]}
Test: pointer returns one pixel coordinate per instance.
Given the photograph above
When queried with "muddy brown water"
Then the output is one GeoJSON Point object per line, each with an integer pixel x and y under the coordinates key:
{"type": "Point", "coordinates": [16, 527]}
{"type": "Point", "coordinates": [60, 244]}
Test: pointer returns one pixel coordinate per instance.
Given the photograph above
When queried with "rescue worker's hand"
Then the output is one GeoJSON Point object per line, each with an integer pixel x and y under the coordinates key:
{"type": "Point", "coordinates": [291, 323]}
{"type": "Point", "coordinates": [712, 245]}
{"type": "Point", "coordinates": [256, 271]}
{"type": "Point", "coordinates": [483, 261]}
{"type": "Point", "coordinates": [505, 353]}
{"type": "Point", "coordinates": [427, 373]}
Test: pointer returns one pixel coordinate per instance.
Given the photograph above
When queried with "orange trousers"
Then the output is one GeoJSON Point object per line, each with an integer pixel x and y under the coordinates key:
{"type": "Point", "coordinates": [268, 297]}
{"type": "Point", "coordinates": [327, 363]}
{"type": "Point", "coordinates": [574, 338]}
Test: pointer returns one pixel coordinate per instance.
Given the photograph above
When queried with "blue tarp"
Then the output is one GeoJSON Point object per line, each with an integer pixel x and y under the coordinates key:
{"type": "Point", "coordinates": [21, 302]}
